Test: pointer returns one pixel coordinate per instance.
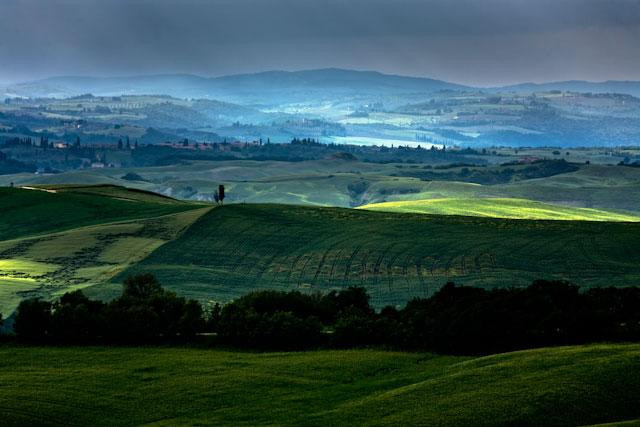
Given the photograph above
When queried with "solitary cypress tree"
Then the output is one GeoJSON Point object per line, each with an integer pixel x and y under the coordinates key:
{"type": "Point", "coordinates": [221, 193]}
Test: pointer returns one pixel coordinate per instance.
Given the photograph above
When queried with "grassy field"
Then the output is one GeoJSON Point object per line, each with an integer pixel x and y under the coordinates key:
{"type": "Point", "coordinates": [113, 192]}
{"type": "Point", "coordinates": [92, 237]}
{"type": "Point", "coordinates": [48, 265]}
{"type": "Point", "coordinates": [181, 386]}
{"type": "Point", "coordinates": [499, 208]}
{"type": "Point", "coordinates": [592, 186]}
{"type": "Point", "coordinates": [28, 212]}
{"type": "Point", "coordinates": [332, 183]}
{"type": "Point", "coordinates": [49, 243]}
{"type": "Point", "coordinates": [235, 249]}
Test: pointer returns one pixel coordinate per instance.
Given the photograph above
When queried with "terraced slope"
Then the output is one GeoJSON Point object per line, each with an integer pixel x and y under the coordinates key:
{"type": "Point", "coordinates": [499, 208]}
{"type": "Point", "coordinates": [188, 386]}
{"type": "Point", "coordinates": [237, 248]}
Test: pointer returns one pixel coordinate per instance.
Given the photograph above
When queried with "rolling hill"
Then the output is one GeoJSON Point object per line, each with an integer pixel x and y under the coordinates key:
{"type": "Point", "coordinates": [64, 237]}
{"type": "Point", "coordinates": [580, 385]}
{"type": "Point", "coordinates": [79, 236]}
{"type": "Point", "coordinates": [232, 250]}
{"type": "Point", "coordinates": [499, 208]}
{"type": "Point", "coordinates": [329, 182]}
{"type": "Point", "coordinates": [36, 210]}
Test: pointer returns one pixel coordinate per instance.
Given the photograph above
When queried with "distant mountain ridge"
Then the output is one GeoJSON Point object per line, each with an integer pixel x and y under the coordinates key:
{"type": "Point", "coordinates": [280, 86]}
{"type": "Point", "coordinates": [273, 89]}
{"type": "Point", "coordinates": [627, 87]}
{"type": "Point", "coordinates": [283, 86]}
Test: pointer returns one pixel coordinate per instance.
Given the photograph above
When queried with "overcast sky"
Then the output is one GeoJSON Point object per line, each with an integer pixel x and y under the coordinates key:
{"type": "Point", "coordinates": [478, 42]}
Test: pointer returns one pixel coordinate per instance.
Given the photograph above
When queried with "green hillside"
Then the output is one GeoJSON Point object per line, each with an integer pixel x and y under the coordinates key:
{"type": "Point", "coordinates": [499, 208]}
{"type": "Point", "coordinates": [113, 191]}
{"type": "Point", "coordinates": [65, 237]}
{"type": "Point", "coordinates": [355, 183]}
{"type": "Point", "coordinates": [28, 212]}
{"type": "Point", "coordinates": [231, 250]}
{"type": "Point", "coordinates": [604, 187]}
{"type": "Point", "coordinates": [56, 239]}
{"type": "Point", "coordinates": [49, 265]}
{"type": "Point", "coordinates": [187, 386]}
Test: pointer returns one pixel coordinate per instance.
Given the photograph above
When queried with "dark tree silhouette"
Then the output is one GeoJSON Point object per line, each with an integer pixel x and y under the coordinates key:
{"type": "Point", "coordinates": [221, 193]}
{"type": "Point", "coordinates": [33, 319]}
{"type": "Point", "coordinates": [141, 286]}
{"type": "Point", "coordinates": [77, 318]}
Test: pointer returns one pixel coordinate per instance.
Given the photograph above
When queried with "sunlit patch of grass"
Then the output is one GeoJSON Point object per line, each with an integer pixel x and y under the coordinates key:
{"type": "Point", "coordinates": [12, 290]}
{"type": "Point", "coordinates": [500, 208]}
{"type": "Point", "coordinates": [19, 267]}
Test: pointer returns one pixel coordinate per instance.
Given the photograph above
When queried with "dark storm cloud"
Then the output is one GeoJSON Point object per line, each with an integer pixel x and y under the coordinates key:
{"type": "Point", "coordinates": [469, 41]}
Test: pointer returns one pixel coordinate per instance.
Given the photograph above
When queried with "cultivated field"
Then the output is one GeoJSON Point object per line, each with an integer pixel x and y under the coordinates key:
{"type": "Point", "coordinates": [96, 385]}
{"type": "Point", "coordinates": [51, 263]}
{"type": "Point", "coordinates": [237, 248]}
{"type": "Point", "coordinates": [92, 237]}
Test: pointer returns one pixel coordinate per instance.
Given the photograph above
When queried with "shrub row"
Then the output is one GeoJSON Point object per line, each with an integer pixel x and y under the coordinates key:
{"type": "Point", "coordinates": [457, 319]}
{"type": "Point", "coordinates": [143, 312]}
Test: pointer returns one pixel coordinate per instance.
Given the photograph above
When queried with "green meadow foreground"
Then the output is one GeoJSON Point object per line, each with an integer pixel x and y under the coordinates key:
{"type": "Point", "coordinates": [95, 386]}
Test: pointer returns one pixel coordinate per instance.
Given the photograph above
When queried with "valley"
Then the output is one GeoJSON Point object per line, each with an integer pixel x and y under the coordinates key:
{"type": "Point", "coordinates": [330, 105]}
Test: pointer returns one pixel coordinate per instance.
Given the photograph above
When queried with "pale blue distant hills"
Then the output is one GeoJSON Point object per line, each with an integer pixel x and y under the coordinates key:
{"type": "Point", "coordinates": [283, 86]}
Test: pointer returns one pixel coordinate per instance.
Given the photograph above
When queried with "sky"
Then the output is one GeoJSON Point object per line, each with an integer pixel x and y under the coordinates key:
{"type": "Point", "coordinates": [474, 42]}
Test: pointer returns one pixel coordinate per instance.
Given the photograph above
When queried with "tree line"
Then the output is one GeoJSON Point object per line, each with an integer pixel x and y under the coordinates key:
{"type": "Point", "coordinates": [455, 320]}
